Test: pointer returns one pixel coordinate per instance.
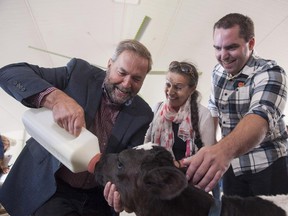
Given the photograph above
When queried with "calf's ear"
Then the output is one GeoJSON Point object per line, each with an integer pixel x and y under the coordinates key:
{"type": "Point", "coordinates": [164, 182]}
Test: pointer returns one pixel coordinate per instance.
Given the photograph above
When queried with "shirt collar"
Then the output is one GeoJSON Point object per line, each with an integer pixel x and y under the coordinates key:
{"type": "Point", "coordinates": [242, 71]}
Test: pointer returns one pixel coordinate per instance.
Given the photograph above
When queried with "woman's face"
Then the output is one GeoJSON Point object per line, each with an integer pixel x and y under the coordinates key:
{"type": "Point", "coordinates": [177, 89]}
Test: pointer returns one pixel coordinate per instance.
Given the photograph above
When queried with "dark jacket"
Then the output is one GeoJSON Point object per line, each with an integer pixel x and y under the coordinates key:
{"type": "Point", "coordinates": [31, 180]}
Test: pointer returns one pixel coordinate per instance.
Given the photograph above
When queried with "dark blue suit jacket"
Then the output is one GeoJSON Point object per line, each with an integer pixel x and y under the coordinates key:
{"type": "Point", "coordinates": [1, 148]}
{"type": "Point", "coordinates": [31, 180]}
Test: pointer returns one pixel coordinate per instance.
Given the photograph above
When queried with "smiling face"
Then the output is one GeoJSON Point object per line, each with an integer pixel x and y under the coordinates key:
{"type": "Point", "coordinates": [125, 76]}
{"type": "Point", "coordinates": [231, 50]}
{"type": "Point", "coordinates": [177, 89]}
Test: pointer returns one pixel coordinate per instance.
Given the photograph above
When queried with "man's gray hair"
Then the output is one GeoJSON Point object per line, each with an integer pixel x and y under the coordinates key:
{"type": "Point", "coordinates": [135, 46]}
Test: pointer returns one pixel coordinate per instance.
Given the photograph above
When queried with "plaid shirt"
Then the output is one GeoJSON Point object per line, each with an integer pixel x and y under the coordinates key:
{"type": "Point", "coordinates": [260, 88]}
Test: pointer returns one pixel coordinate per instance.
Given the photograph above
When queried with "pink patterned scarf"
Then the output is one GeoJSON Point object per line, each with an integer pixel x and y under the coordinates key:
{"type": "Point", "coordinates": [162, 132]}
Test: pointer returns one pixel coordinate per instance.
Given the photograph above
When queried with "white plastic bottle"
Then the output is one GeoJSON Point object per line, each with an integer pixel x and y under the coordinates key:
{"type": "Point", "coordinates": [74, 152]}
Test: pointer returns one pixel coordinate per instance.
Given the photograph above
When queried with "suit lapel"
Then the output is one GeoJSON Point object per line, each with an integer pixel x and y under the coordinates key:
{"type": "Point", "coordinates": [120, 128]}
{"type": "Point", "coordinates": [94, 97]}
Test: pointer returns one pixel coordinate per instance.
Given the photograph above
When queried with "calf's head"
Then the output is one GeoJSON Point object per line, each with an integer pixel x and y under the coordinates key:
{"type": "Point", "coordinates": [142, 175]}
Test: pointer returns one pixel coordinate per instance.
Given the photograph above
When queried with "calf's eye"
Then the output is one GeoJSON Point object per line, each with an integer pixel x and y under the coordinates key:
{"type": "Point", "coordinates": [119, 165]}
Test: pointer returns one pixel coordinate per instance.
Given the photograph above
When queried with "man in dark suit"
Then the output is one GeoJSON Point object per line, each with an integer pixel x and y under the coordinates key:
{"type": "Point", "coordinates": [79, 95]}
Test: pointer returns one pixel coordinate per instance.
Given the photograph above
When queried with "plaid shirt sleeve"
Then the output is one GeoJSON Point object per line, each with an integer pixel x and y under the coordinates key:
{"type": "Point", "coordinates": [211, 102]}
{"type": "Point", "coordinates": [269, 94]}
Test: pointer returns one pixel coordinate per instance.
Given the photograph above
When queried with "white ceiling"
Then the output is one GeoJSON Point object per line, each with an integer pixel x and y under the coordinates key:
{"type": "Point", "coordinates": [90, 29]}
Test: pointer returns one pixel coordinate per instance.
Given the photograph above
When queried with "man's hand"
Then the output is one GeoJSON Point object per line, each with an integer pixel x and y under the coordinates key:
{"type": "Point", "coordinates": [207, 166]}
{"type": "Point", "coordinates": [67, 113]}
{"type": "Point", "coordinates": [113, 197]}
